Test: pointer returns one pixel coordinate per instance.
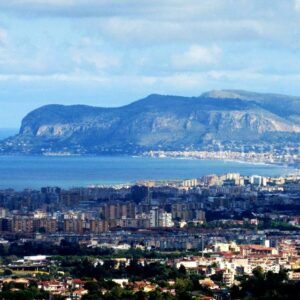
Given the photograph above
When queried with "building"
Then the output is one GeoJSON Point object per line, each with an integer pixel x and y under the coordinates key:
{"type": "Point", "coordinates": [228, 277]}
{"type": "Point", "coordinates": [246, 250]}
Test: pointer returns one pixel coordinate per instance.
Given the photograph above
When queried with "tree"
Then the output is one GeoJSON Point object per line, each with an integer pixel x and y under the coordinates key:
{"type": "Point", "coordinates": [266, 286]}
{"type": "Point", "coordinates": [7, 272]}
{"type": "Point", "coordinates": [140, 295]}
{"type": "Point", "coordinates": [91, 286]}
{"type": "Point", "coordinates": [183, 285]}
{"type": "Point", "coordinates": [182, 270]}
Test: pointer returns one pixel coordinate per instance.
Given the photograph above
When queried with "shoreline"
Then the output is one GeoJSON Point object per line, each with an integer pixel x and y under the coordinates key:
{"type": "Point", "coordinates": [173, 155]}
{"type": "Point", "coordinates": [83, 171]}
{"type": "Point", "coordinates": [222, 160]}
{"type": "Point", "coordinates": [148, 155]}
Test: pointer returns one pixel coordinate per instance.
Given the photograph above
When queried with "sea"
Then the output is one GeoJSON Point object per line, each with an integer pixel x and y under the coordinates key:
{"type": "Point", "coordinates": [34, 172]}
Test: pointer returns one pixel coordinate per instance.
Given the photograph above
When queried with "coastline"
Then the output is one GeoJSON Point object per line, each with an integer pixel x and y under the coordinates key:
{"type": "Point", "coordinates": [149, 155]}
{"type": "Point", "coordinates": [65, 171]}
{"type": "Point", "coordinates": [217, 156]}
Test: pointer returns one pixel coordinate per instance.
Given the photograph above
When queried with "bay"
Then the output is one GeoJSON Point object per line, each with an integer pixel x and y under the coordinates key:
{"type": "Point", "coordinates": [21, 172]}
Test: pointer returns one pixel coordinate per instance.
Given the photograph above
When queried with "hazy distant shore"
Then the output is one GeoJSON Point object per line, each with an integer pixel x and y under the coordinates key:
{"type": "Point", "coordinates": [194, 155]}
{"type": "Point", "coordinates": [229, 156]}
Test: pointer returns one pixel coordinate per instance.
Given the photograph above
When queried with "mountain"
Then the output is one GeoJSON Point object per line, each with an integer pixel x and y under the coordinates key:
{"type": "Point", "coordinates": [229, 117]}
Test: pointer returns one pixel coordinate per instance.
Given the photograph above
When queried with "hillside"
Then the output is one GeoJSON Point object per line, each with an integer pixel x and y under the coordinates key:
{"type": "Point", "coordinates": [231, 118]}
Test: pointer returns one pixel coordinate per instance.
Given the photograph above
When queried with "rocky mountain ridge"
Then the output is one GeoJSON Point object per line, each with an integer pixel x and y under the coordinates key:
{"type": "Point", "coordinates": [161, 122]}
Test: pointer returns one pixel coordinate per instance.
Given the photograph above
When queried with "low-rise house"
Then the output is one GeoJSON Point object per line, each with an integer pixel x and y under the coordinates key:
{"type": "Point", "coordinates": [246, 250]}
{"type": "Point", "coordinates": [52, 286]}
{"type": "Point", "coordinates": [77, 294]}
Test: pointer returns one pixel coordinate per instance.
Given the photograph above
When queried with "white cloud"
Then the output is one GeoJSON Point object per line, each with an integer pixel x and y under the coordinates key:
{"type": "Point", "coordinates": [185, 80]}
{"type": "Point", "coordinates": [63, 77]}
{"type": "Point", "coordinates": [143, 32]}
{"type": "Point", "coordinates": [197, 56]}
{"type": "Point", "coordinates": [297, 5]}
{"type": "Point", "coordinates": [3, 36]}
{"type": "Point", "coordinates": [103, 8]}
{"type": "Point", "coordinates": [98, 60]}
{"type": "Point", "coordinates": [136, 22]}
{"type": "Point", "coordinates": [37, 3]}
{"type": "Point", "coordinates": [139, 37]}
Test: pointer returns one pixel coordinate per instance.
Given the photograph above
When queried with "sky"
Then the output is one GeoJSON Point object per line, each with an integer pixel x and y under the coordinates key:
{"type": "Point", "coordinates": [112, 52]}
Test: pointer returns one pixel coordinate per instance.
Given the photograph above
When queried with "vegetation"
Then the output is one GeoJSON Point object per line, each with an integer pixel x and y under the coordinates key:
{"type": "Point", "coordinates": [74, 249]}
{"type": "Point", "coordinates": [15, 291]}
{"type": "Point", "coordinates": [90, 268]}
{"type": "Point", "coordinates": [266, 286]}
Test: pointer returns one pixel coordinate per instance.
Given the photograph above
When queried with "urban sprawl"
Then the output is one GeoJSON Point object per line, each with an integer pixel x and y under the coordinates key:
{"type": "Point", "coordinates": [214, 237]}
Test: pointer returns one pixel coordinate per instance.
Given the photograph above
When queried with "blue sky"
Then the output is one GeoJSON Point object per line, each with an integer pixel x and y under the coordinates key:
{"type": "Point", "coordinates": [109, 53]}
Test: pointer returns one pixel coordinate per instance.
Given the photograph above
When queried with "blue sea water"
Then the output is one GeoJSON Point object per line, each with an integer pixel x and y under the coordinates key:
{"type": "Point", "coordinates": [21, 172]}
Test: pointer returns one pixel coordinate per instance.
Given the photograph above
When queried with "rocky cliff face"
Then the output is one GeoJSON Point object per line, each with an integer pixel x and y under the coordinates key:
{"type": "Point", "coordinates": [161, 122]}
